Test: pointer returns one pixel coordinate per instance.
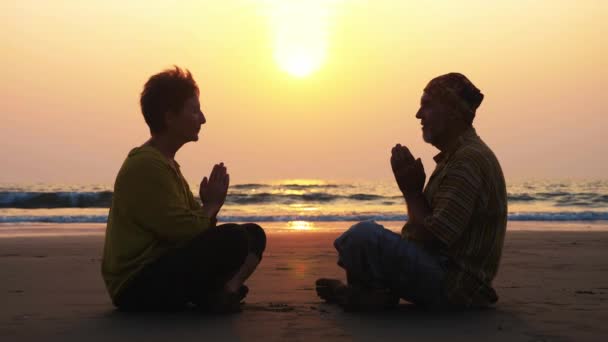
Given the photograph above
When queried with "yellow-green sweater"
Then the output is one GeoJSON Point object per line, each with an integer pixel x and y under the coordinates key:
{"type": "Point", "coordinates": [153, 210]}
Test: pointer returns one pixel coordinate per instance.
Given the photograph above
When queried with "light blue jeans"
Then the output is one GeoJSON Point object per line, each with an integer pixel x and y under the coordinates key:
{"type": "Point", "coordinates": [377, 257]}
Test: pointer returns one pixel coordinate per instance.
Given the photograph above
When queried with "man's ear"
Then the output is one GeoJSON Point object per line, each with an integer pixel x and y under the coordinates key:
{"type": "Point", "coordinates": [455, 119]}
{"type": "Point", "coordinates": [453, 116]}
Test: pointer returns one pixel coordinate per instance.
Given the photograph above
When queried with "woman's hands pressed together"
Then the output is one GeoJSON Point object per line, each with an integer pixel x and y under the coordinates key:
{"type": "Point", "coordinates": [213, 190]}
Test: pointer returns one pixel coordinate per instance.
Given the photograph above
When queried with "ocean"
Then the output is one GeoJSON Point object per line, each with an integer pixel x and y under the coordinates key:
{"type": "Point", "coordinates": [306, 201]}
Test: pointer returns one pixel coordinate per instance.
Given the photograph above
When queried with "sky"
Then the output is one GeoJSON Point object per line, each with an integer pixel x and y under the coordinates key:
{"type": "Point", "coordinates": [316, 89]}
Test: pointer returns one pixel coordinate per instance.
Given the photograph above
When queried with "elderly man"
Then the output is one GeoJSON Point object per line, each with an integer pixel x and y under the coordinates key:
{"type": "Point", "coordinates": [449, 250]}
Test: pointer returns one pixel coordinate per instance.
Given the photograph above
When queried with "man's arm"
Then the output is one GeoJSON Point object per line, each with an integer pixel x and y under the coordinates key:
{"type": "Point", "coordinates": [418, 209]}
{"type": "Point", "coordinates": [454, 201]}
{"type": "Point", "coordinates": [410, 176]}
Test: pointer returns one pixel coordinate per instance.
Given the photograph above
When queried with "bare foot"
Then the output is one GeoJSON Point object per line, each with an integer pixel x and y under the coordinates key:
{"type": "Point", "coordinates": [243, 291]}
{"type": "Point", "coordinates": [224, 302]}
{"type": "Point", "coordinates": [333, 291]}
{"type": "Point", "coordinates": [355, 298]}
{"type": "Point", "coordinates": [360, 299]}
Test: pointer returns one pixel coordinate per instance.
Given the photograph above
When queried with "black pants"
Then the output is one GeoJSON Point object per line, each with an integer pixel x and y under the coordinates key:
{"type": "Point", "coordinates": [193, 272]}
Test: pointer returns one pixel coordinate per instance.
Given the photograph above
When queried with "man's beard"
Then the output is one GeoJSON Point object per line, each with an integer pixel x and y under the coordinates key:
{"type": "Point", "coordinates": [427, 136]}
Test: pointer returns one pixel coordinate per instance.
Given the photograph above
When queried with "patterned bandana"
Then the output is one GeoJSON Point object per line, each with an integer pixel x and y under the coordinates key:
{"type": "Point", "coordinates": [456, 91]}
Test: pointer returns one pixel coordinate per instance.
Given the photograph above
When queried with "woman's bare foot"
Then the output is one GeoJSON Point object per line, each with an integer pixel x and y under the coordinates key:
{"type": "Point", "coordinates": [224, 302]}
{"type": "Point", "coordinates": [243, 291]}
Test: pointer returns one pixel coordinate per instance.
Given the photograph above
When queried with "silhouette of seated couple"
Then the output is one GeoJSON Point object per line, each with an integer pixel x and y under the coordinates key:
{"type": "Point", "coordinates": [164, 251]}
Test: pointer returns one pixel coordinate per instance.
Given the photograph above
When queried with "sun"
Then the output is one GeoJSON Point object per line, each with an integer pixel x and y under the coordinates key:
{"type": "Point", "coordinates": [300, 29]}
{"type": "Point", "coordinates": [299, 62]}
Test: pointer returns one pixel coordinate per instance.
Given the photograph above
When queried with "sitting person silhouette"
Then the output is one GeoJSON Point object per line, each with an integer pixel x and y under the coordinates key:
{"type": "Point", "coordinates": [163, 250]}
{"type": "Point", "coordinates": [449, 250]}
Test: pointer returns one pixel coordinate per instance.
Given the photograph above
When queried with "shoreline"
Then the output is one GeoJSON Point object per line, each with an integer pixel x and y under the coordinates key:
{"type": "Point", "coordinates": [553, 285]}
{"type": "Point", "coordinates": [13, 230]}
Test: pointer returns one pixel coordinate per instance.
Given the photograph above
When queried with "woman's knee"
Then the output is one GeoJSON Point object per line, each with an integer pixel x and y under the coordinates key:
{"type": "Point", "coordinates": [234, 238]}
{"type": "Point", "coordinates": [257, 238]}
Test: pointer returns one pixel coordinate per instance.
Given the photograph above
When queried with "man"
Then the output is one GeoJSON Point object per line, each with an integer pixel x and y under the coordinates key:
{"type": "Point", "coordinates": [163, 249]}
{"type": "Point", "coordinates": [449, 250]}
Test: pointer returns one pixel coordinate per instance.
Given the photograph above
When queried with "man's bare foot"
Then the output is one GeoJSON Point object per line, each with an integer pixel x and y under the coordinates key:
{"type": "Point", "coordinates": [355, 298]}
{"type": "Point", "coordinates": [360, 299]}
{"type": "Point", "coordinates": [333, 291]}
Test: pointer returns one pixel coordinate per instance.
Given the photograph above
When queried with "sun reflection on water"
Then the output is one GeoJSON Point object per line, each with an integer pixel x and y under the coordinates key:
{"type": "Point", "coordinates": [301, 226]}
{"type": "Point", "coordinates": [302, 182]}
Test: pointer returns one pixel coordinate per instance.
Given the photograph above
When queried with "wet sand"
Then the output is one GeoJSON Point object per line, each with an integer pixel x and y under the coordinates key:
{"type": "Point", "coordinates": [553, 285]}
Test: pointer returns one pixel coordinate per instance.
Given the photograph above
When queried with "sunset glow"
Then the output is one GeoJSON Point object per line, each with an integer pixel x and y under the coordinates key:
{"type": "Point", "coordinates": [300, 34]}
{"type": "Point", "coordinates": [292, 89]}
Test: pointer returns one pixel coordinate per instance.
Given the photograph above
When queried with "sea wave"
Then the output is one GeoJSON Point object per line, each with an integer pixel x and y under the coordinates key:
{"type": "Point", "coordinates": [103, 199]}
{"type": "Point", "coordinates": [247, 196]}
{"type": "Point", "coordinates": [523, 216]}
{"type": "Point", "coordinates": [559, 216]}
{"type": "Point", "coordinates": [31, 200]}
{"type": "Point", "coordinates": [560, 198]}
{"type": "Point", "coordinates": [290, 186]}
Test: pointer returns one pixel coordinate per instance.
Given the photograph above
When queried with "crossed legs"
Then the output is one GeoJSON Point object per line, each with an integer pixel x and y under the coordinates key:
{"type": "Point", "coordinates": [381, 268]}
{"type": "Point", "coordinates": [209, 271]}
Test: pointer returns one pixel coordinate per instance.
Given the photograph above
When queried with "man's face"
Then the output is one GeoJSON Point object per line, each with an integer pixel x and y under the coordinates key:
{"type": "Point", "coordinates": [434, 119]}
{"type": "Point", "coordinates": [187, 124]}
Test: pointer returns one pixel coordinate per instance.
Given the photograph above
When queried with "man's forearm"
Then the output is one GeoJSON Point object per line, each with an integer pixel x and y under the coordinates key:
{"type": "Point", "coordinates": [418, 210]}
{"type": "Point", "coordinates": [417, 207]}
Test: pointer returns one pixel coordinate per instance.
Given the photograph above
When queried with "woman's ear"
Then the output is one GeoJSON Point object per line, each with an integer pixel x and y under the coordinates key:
{"type": "Point", "coordinates": [168, 117]}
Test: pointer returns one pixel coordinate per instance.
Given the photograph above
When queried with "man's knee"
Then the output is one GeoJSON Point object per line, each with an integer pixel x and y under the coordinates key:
{"type": "Point", "coordinates": [359, 234]}
{"type": "Point", "coordinates": [364, 230]}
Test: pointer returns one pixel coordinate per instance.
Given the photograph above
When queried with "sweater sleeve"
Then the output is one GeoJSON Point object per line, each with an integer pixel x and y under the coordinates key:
{"type": "Point", "coordinates": [151, 194]}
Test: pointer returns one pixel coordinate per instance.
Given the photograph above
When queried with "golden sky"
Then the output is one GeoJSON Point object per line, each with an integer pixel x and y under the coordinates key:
{"type": "Point", "coordinates": [300, 89]}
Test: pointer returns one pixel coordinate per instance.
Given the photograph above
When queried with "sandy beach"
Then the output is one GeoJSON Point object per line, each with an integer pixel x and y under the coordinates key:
{"type": "Point", "coordinates": [553, 286]}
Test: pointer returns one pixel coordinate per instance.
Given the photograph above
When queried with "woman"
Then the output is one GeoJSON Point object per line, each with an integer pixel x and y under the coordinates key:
{"type": "Point", "coordinates": [163, 249]}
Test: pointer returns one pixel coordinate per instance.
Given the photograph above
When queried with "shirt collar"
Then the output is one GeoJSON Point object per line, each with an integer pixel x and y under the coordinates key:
{"type": "Point", "coordinates": [159, 154]}
{"type": "Point", "coordinates": [463, 139]}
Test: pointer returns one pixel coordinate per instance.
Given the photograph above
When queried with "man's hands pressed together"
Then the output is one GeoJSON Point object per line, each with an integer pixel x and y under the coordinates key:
{"type": "Point", "coordinates": [409, 172]}
{"type": "Point", "coordinates": [410, 177]}
{"type": "Point", "coordinates": [213, 191]}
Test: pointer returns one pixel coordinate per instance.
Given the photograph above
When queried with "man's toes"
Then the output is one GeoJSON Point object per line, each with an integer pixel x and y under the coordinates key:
{"type": "Point", "coordinates": [330, 290]}
{"type": "Point", "coordinates": [328, 282]}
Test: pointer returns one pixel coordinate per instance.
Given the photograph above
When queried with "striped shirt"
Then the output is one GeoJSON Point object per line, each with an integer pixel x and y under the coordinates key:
{"type": "Point", "coordinates": [468, 197]}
